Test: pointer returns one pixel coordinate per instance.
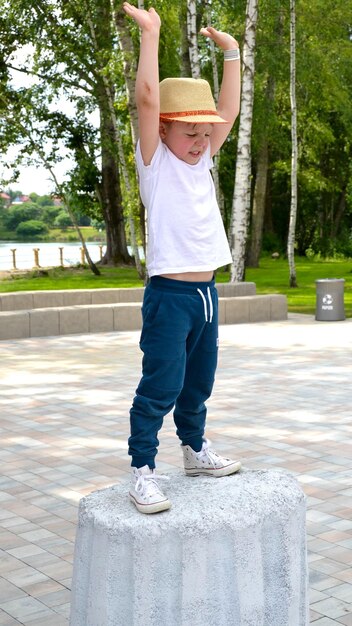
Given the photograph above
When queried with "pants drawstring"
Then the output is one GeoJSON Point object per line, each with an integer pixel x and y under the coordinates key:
{"type": "Point", "coordinates": [211, 308]}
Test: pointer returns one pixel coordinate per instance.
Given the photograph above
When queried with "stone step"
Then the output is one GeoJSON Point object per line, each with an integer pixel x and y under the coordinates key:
{"type": "Point", "coordinates": [26, 300]}
{"type": "Point", "coordinates": [121, 316]}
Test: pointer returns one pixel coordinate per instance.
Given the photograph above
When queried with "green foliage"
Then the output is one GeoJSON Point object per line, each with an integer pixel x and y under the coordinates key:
{"type": "Point", "coordinates": [50, 213]}
{"type": "Point", "coordinates": [31, 228]}
{"type": "Point", "coordinates": [63, 220]}
{"type": "Point", "coordinates": [44, 201]}
{"type": "Point", "coordinates": [70, 61]}
{"type": "Point", "coordinates": [20, 213]}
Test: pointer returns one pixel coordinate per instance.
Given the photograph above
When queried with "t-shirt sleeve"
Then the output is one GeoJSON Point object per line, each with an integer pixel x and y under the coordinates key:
{"type": "Point", "coordinates": [148, 170]}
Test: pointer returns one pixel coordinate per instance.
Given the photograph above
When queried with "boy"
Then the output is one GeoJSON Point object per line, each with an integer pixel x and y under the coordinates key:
{"type": "Point", "coordinates": [180, 129]}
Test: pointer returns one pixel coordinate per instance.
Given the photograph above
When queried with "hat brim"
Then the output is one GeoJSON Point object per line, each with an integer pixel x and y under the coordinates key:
{"type": "Point", "coordinates": [193, 119]}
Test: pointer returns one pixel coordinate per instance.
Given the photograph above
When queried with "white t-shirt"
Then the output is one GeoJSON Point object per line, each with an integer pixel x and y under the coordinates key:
{"type": "Point", "coordinates": [185, 228]}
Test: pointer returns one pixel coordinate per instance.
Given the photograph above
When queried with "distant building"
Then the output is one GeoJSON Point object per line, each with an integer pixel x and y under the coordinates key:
{"type": "Point", "coordinates": [21, 200]}
{"type": "Point", "coordinates": [5, 199]}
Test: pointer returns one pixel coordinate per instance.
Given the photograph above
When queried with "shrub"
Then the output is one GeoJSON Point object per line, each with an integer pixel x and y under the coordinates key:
{"type": "Point", "coordinates": [49, 214]}
{"type": "Point", "coordinates": [31, 228]}
{"type": "Point", "coordinates": [63, 220]}
{"type": "Point", "coordinates": [22, 213]}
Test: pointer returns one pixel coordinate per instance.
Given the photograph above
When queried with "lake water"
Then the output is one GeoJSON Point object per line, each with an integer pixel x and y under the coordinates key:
{"type": "Point", "coordinates": [49, 254]}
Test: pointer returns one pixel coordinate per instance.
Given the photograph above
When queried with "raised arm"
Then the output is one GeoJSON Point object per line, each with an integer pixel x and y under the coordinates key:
{"type": "Point", "coordinates": [228, 106]}
{"type": "Point", "coordinates": [147, 80]}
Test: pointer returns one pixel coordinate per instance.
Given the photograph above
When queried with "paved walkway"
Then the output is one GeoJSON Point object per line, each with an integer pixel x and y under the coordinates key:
{"type": "Point", "coordinates": [282, 400]}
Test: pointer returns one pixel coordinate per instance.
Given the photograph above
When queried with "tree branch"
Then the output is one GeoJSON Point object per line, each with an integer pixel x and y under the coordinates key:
{"type": "Point", "coordinates": [71, 83]}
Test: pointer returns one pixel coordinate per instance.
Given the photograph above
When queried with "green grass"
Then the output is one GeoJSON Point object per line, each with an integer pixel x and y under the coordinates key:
{"type": "Point", "coordinates": [70, 278]}
{"type": "Point", "coordinates": [271, 277]}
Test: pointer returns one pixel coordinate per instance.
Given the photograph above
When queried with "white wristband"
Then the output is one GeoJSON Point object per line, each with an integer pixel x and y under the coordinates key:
{"type": "Point", "coordinates": [232, 55]}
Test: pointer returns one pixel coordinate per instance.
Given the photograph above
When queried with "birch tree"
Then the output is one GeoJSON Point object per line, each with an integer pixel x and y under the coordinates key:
{"type": "Point", "coordinates": [241, 196]}
{"type": "Point", "coordinates": [192, 38]}
{"type": "Point", "coordinates": [216, 90]}
{"type": "Point", "coordinates": [294, 155]}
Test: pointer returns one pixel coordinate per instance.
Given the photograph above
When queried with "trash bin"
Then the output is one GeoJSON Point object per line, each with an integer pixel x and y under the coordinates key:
{"type": "Point", "coordinates": [330, 300]}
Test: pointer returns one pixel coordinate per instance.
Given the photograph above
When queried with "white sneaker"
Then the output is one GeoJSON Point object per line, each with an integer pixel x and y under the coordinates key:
{"type": "Point", "coordinates": [207, 462]}
{"type": "Point", "coordinates": [145, 492]}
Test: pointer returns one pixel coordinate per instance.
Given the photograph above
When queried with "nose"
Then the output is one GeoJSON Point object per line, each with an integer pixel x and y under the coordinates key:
{"type": "Point", "coordinates": [200, 141]}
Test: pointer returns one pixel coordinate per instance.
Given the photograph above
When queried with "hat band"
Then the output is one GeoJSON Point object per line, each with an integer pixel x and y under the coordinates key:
{"type": "Point", "coordinates": [188, 113]}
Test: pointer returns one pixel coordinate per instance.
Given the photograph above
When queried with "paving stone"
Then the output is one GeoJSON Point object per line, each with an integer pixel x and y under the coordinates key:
{"type": "Point", "coordinates": [64, 405]}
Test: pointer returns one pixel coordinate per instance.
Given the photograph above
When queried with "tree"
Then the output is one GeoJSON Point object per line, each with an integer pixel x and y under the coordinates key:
{"type": "Point", "coordinates": [98, 56]}
{"type": "Point", "coordinates": [241, 198]}
{"type": "Point", "coordinates": [192, 38]}
{"type": "Point", "coordinates": [294, 159]}
{"type": "Point", "coordinates": [75, 53]}
{"type": "Point", "coordinates": [270, 68]}
{"type": "Point", "coordinates": [20, 213]}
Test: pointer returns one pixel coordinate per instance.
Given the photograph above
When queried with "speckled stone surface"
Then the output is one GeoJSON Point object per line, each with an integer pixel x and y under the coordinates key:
{"type": "Point", "coordinates": [231, 551]}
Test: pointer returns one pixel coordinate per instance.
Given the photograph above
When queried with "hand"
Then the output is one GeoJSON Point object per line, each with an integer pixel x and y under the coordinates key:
{"type": "Point", "coordinates": [223, 40]}
{"type": "Point", "coordinates": [146, 20]}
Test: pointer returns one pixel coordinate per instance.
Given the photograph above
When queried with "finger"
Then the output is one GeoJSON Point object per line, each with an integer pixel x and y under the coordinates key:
{"type": "Point", "coordinates": [210, 30]}
{"type": "Point", "coordinates": [205, 32]}
{"type": "Point", "coordinates": [128, 8]}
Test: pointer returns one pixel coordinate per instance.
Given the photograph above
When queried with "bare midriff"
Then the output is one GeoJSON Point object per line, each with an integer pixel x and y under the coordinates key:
{"type": "Point", "coordinates": [192, 277]}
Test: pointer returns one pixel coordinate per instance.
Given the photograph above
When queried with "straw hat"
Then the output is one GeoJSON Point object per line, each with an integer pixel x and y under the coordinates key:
{"type": "Point", "coordinates": [188, 100]}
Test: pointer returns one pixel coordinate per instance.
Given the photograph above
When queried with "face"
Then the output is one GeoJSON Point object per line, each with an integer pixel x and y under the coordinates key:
{"type": "Point", "coordinates": [186, 140]}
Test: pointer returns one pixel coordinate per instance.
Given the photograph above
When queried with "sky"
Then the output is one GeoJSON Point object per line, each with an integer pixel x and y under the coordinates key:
{"type": "Point", "coordinates": [34, 179]}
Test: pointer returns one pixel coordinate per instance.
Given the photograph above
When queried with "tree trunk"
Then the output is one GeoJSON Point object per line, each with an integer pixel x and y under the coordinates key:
{"type": "Point", "coordinates": [116, 246]}
{"type": "Point", "coordinates": [294, 158]}
{"type": "Point", "coordinates": [216, 90]}
{"type": "Point", "coordinates": [185, 58]}
{"type": "Point", "coordinates": [261, 180]}
{"type": "Point", "coordinates": [341, 207]}
{"type": "Point", "coordinates": [129, 70]}
{"type": "Point", "coordinates": [241, 197]}
{"type": "Point", "coordinates": [192, 38]}
{"type": "Point", "coordinates": [258, 210]}
{"type": "Point", "coordinates": [109, 193]}
{"type": "Point", "coordinates": [128, 187]}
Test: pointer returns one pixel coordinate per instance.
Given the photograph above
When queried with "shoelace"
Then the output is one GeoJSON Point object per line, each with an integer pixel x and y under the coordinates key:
{"type": "Point", "coordinates": [144, 482]}
{"type": "Point", "coordinates": [208, 454]}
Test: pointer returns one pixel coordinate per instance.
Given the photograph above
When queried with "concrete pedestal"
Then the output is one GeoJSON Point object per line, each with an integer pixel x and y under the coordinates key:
{"type": "Point", "coordinates": [230, 552]}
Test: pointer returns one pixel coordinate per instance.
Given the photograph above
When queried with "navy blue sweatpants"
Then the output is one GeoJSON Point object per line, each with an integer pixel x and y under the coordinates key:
{"type": "Point", "coordinates": [179, 341]}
